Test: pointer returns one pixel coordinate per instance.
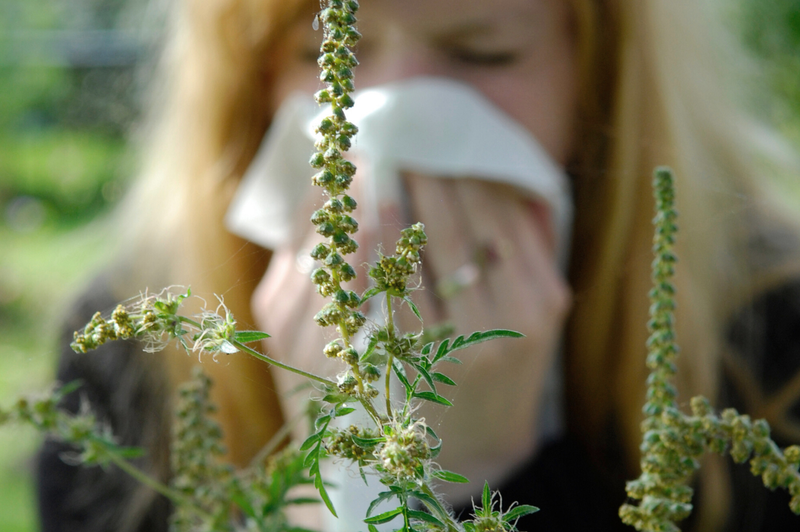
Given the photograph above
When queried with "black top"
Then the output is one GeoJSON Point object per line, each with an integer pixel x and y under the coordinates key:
{"type": "Point", "coordinates": [127, 389]}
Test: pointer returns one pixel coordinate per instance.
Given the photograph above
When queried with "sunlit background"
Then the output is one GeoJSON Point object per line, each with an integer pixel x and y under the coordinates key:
{"type": "Point", "coordinates": [71, 78]}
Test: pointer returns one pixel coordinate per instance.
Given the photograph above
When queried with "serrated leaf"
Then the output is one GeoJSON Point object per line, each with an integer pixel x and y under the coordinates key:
{"type": "Point", "coordinates": [322, 420]}
{"type": "Point", "coordinates": [484, 336]}
{"type": "Point", "coordinates": [444, 379]}
{"type": "Point", "coordinates": [449, 476]}
{"type": "Point", "coordinates": [385, 517]}
{"type": "Point", "coordinates": [519, 511]}
{"type": "Point", "coordinates": [310, 441]}
{"type": "Point", "coordinates": [246, 337]}
{"type": "Point", "coordinates": [309, 459]}
{"type": "Point", "coordinates": [424, 516]}
{"type": "Point", "coordinates": [434, 398]}
{"type": "Point", "coordinates": [324, 494]}
{"type": "Point", "coordinates": [382, 496]}
{"type": "Point", "coordinates": [413, 308]}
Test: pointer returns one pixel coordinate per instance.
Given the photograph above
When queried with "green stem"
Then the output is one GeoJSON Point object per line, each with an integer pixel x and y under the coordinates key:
{"type": "Point", "coordinates": [390, 331]}
{"type": "Point", "coordinates": [140, 476]}
{"type": "Point", "coordinates": [264, 358]}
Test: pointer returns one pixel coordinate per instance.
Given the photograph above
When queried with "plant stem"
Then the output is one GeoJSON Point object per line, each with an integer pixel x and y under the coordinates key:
{"type": "Point", "coordinates": [142, 477]}
{"type": "Point", "coordinates": [252, 352]}
{"type": "Point", "coordinates": [390, 331]}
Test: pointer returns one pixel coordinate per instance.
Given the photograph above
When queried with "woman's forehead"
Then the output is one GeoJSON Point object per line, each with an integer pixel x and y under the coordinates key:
{"type": "Point", "coordinates": [432, 14]}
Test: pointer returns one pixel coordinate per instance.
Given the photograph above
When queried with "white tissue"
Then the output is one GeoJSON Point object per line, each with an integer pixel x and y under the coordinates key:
{"type": "Point", "coordinates": [432, 126]}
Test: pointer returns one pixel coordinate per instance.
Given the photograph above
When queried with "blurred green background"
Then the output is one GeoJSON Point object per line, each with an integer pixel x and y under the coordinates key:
{"type": "Point", "coordinates": [70, 87]}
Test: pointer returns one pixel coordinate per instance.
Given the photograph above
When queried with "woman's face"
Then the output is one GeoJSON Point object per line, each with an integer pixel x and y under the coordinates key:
{"type": "Point", "coordinates": [519, 54]}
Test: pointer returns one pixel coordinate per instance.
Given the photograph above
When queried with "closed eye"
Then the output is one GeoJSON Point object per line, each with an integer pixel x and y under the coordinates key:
{"type": "Point", "coordinates": [483, 58]}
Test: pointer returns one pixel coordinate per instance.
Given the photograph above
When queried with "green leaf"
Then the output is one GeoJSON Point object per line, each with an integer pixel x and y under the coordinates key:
{"type": "Point", "coordinates": [425, 498]}
{"type": "Point", "coordinates": [434, 398]}
{"type": "Point", "coordinates": [442, 351]}
{"type": "Point", "coordinates": [424, 516]}
{"type": "Point", "coordinates": [373, 343]}
{"type": "Point", "coordinates": [426, 349]}
{"type": "Point", "coordinates": [372, 528]}
{"type": "Point", "coordinates": [454, 360]}
{"type": "Point", "coordinates": [324, 494]}
{"type": "Point", "coordinates": [435, 449]}
{"type": "Point", "coordinates": [413, 308]}
{"type": "Point", "coordinates": [518, 511]}
{"type": "Point", "coordinates": [322, 420]}
{"type": "Point", "coordinates": [372, 292]}
{"type": "Point", "coordinates": [341, 411]}
{"type": "Point", "coordinates": [484, 336]}
{"type": "Point", "coordinates": [240, 501]}
{"type": "Point", "coordinates": [425, 375]}
{"type": "Point", "coordinates": [449, 476]}
{"type": "Point", "coordinates": [441, 377]}
{"type": "Point", "coordinates": [246, 337]}
{"type": "Point", "coordinates": [487, 497]}
{"type": "Point", "coordinates": [336, 398]}
{"type": "Point", "coordinates": [385, 517]}
{"type": "Point", "coordinates": [69, 387]}
{"type": "Point", "coordinates": [382, 496]}
{"type": "Point", "coordinates": [400, 371]}
{"type": "Point", "coordinates": [303, 500]}
{"type": "Point", "coordinates": [310, 441]}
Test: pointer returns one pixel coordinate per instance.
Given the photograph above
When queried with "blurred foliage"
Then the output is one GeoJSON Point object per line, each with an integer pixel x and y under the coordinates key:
{"type": "Point", "coordinates": [771, 30]}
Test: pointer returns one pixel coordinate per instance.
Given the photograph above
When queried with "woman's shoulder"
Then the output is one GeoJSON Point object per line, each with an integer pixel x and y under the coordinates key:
{"type": "Point", "coordinates": [761, 377]}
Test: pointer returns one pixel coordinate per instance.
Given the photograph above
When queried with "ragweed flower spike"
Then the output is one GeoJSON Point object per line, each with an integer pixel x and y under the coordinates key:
{"type": "Point", "coordinates": [673, 442]}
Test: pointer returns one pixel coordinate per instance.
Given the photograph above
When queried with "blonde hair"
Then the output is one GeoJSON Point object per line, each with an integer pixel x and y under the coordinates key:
{"type": "Point", "coordinates": [651, 94]}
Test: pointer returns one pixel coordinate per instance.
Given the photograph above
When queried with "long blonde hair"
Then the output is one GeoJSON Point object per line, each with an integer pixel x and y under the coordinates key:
{"type": "Point", "coordinates": [651, 94]}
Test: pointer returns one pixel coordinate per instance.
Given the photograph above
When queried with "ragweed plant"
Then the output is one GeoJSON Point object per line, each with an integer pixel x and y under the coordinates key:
{"type": "Point", "coordinates": [399, 447]}
{"type": "Point", "coordinates": [673, 441]}
{"type": "Point", "coordinates": [208, 496]}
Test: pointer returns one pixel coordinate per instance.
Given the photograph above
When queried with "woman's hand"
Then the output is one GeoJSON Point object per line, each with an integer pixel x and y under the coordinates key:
{"type": "Point", "coordinates": [505, 241]}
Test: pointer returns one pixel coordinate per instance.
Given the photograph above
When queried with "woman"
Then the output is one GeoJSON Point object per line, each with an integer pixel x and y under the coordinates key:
{"type": "Point", "coordinates": [610, 89]}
